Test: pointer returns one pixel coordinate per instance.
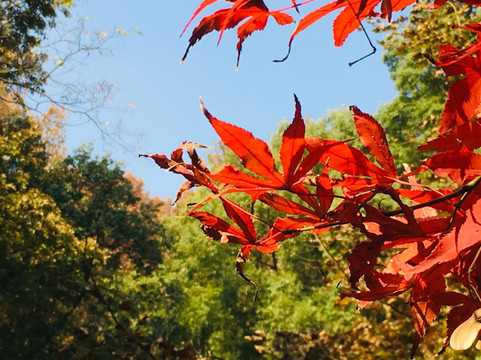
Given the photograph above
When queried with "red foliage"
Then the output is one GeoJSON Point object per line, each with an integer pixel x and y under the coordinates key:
{"type": "Point", "coordinates": [436, 232]}
{"type": "Point", "coordinates": [255, 11]}
{"type": "Point", "coordinates": [253, 14]}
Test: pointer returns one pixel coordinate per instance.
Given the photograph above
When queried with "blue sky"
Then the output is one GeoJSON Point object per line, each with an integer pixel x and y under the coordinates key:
{"type": "Point", "coordinates": [156, 99]}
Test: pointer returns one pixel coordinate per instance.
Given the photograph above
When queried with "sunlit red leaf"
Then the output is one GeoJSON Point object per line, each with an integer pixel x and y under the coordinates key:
{"type": "Point", "coordinates": [316, 147]}
{"type": "Point", "coordinates": [196, 173]}
{"type": "Point", "coordinates": [443, 142]}
{"type": "Point", "coordinates": [393, 285]}
{"type": "Point", "coordinates": [424, 312]}
{"type": "Point", "coordinates": [201, 7]}
{"type": "Point", "coordinates": [256, 157]}
{"type": "Point", "coordinates": [285, 205]}
{"type": "Point", "coordinates": [258, 22]}
{"type": "Point", "coordinates": [254, 153]}
{"type": "Point", "coordinates": [469, 134]}
{"type": "Point", "coordinates": [463, 101]}
{"type": "Point", "coordinates": [295, 225]}
{"type": "Point", "coordinates": [413, 251]}
{"type": "Point", "coordinates": [254, 12]}
{"type": "Point", "coordinates": [373, 137]}
{"type": "Point", "coordinates": [219, 229]}
{"type": "Point", "coordinates": [390, 228]}
{"type": "Point", "coordinates": [350, 161]}
{"type": "Point", "coordinates": [324, 191]}
{"type": "Point", "coordinates": [293, 146]}
{"type": "Point", "coordinates": [423, 196]}
{"type": "Point", "coordinates": [448, 247]}
{"type": "Point", "coordinates": [245, 234]}
{"type": "Point", "coordinates": [241, 218]}
{"type": "Point", "coordinates": [233, 176]}
{"type": "Point", "coordinates": [465, 94]}
{"type": "Point", "coordinates": [352, 185]}
{"type": "Point", "coordinates": [459, 165]}
{"type": "Point", "coordinates": [350, 18]}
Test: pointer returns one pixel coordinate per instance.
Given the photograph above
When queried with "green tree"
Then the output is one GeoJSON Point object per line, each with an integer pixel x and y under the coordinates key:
{"type": "Point", "coordinates": [98, 201]}
{"type": "Point", "coordinates": [39, 272]}
{"type": "Point", "coordinates": [78, 237]}
{"type": "Point", "coordinates": [23, 26]}
{"type": "Point", "coordinates": [121, 239]}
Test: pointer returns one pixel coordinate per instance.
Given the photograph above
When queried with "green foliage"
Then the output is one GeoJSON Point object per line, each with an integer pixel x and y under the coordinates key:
{"type": "Point", "coordinates": [76, 240]}
{"type": "Point", "coordinates": [84, 188]}
{"type": "Point", "coordinates": [215, 309]}
{"type": "Point", "coordinates": [36, 245]}
{"type": "Point", "coordinates": [22, 27]}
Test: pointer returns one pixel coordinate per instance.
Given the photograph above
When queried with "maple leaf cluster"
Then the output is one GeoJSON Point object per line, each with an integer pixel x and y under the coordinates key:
{"type": "Point", "coordinates": [432, 236]}
{"type": "Point", "coordinates": [250, 16]}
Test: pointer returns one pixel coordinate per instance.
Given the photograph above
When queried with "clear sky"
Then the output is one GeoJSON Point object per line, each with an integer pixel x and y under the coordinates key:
{"type": "Point", "coordinates": [159, 98]}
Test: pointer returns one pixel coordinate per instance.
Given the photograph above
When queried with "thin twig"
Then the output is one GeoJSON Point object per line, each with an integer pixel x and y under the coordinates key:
{"type": "Point", "coordinates": [464, 190]}
{"type": "Point", "coordinates": [330, 256]}
{"type": "Point", "coordinates": [457, 206]}
{"type": "Point", "coordinates": [470, 269]}
{"type": "Point", "coordinates": [373, 48]}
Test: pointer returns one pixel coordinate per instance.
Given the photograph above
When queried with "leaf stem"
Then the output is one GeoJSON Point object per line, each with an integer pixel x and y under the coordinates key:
{"type": "Point", "coordinates": [326, 250]}
{"type": "Point", "coordinates": [464, 190]}
{"type": "Point", "coordinates": [457, 206]}
{"type": "Point", "coordinates": [470, 269]}
{"type": "Point", "coordinates": [373, 48]}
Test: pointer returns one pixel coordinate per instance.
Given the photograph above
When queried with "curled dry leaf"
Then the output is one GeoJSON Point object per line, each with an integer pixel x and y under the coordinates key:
{"type": "Point", "coordinates": [465, 334]}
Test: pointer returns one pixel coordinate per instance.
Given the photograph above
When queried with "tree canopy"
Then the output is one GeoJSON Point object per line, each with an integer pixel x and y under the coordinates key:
{"type": "Point", "coordinates": [92, 267]}
{"type": "Point", "coordinates": [23, 26]}
{"type": "Point", "coordinates": [72, 228]}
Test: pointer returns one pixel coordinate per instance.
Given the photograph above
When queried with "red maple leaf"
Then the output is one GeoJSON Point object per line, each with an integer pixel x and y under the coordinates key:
{"type": "Point", "coordinates": [254, 12]}
{"type": "Point", "coordinates": [424, 308]}
{"type": "Point", "coordinates": [196, 173]}
{"type": "Point", "coordinates": [386, 284]}
{"type": "Point", "coordinates": [460, 125]}
{"type": "Point", "coordinates": [424, 196]}
{"type": "Point", "coordinates": [245, 232]}
{"type": "Point", "coordinates": [448, 246]}
{"type": "Point", "coordinates": [354, 11]}
{"type": "Point", "coordinates": [373, 137]}
{"type": "Point", "coordinates": [358, 172]}
{"type": "Point", "coordinates": [352, 162]}
{"type": "Point", "coordinates": [460, 165]}
{"type": "Point", "coordinates": [256, 157]}
{"type": "Point", "coordinates": [465, 94]}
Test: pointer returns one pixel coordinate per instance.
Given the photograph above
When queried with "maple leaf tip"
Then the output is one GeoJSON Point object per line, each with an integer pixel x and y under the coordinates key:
{"type": "Point", "coordinates": [204, 110]}
{"type": "Point", "coordinates": [354, 109]}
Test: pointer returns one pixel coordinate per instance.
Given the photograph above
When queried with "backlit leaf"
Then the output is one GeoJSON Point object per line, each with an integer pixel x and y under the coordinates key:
{"type": "Point", "coordinates": [374, 139]}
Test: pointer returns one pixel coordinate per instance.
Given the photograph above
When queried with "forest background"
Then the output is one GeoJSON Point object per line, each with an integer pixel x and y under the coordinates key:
{"type": "Point", "coordinates": [92, 267]}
